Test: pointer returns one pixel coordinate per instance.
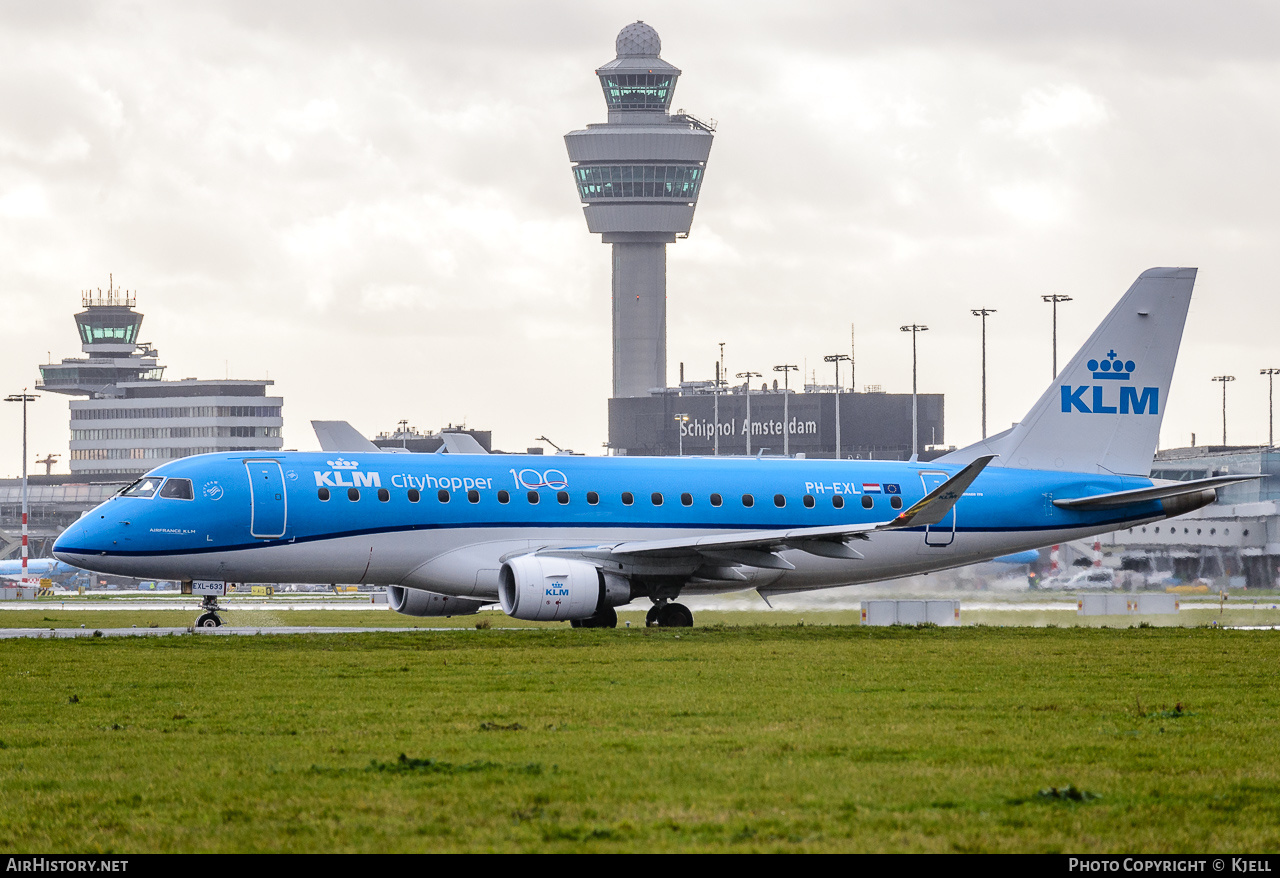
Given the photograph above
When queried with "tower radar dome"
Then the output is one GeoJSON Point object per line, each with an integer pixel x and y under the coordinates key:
{"type": "Point", "coordinates": [639, 39]}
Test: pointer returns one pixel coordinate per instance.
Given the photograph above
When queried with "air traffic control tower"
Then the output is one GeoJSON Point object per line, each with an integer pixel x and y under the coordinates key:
{"type": "Point", "coordinates": [638, 176]}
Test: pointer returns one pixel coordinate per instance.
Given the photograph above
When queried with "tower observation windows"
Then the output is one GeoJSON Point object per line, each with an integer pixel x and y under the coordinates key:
{"type": "Point", "coordinates": [114, 327]}
{"type": "Point", "coordinates": [677, 182]}
{"type": "Point", "coordinates": [637, 91]}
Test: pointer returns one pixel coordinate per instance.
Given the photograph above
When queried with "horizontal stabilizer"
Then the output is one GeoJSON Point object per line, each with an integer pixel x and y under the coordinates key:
{"type": "Point", "coordinates": [1161, 491]}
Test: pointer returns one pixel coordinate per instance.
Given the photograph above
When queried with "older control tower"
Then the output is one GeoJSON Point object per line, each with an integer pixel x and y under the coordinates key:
{"type": "Point", "coordinates": [638, 176]}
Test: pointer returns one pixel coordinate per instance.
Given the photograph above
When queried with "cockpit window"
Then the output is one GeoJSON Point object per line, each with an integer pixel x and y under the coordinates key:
{"type": "Point", "coordinates": [143, 487]}
{"type": "Point", "coordinates": [177, 489]}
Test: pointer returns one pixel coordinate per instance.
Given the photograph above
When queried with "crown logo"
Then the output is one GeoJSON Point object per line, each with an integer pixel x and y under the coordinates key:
{"type": "Point", "coordinates": [1112, 368]}
{"type": "Point", "coordinates": [343, 464]}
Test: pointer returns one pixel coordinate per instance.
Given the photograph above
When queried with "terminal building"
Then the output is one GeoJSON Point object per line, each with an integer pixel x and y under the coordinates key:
{"type": "Point", "coordinates": [131, 420]}
{"type": "Point", "coordinates": [693, 419]}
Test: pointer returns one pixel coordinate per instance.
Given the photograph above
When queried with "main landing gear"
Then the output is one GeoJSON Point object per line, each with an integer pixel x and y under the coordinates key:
{"type": "Point", "coordinates": [605, 617]}
{"type": "Point", "coordinates": [209, 618]}
{"type": "Point", "coordinates": [664, 614]}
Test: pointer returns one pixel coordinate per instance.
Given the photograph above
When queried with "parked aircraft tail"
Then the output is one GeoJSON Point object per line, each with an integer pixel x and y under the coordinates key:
{"type": "Point", "coordinates": [1102, 413]}
{"type": "Point", "coordinates": [341, 436]}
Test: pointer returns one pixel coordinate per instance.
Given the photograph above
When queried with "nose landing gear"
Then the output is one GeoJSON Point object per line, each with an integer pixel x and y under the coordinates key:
{"type": "Point", "coordinates": [209, 618]}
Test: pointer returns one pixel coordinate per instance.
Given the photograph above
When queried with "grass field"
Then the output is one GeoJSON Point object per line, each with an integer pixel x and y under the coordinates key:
{"type": "Point", "coordinates": [267, 618]}
{"type": "Point", "coordinates": [714, 738]}
{"type": "Point", "coordinates": [1036, 609]}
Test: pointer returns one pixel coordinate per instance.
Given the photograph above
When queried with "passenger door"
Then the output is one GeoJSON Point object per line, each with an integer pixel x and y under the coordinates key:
{"type": "Point", "coordinates": [942, 533]}
{"type": "Point", "coordinates": [268, 506]}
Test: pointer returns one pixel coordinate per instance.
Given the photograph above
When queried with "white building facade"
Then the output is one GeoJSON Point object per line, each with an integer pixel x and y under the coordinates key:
{"type": "Point", "coordinates": [132, 420]}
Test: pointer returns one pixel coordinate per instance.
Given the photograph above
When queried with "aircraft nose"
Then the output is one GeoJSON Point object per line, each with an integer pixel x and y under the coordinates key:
{"type": "Point", "coordinates": [76, 543]}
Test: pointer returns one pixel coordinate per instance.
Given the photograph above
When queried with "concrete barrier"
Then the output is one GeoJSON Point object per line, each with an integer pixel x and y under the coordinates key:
{"type": "Point", "coordinates": [942, 613]}
{"type": "Point", "coordinates": [1124, 605]}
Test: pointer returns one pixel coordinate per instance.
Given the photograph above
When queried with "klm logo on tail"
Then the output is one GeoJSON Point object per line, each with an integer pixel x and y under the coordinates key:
{"type": "Point", "coordinates": [1101, 399]}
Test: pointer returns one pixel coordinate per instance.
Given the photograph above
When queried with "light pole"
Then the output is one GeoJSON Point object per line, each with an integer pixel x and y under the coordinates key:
{"type": "Point", "coordinates": [1055, 299]}
{"type": "Point", "coordinates": [836, 358]}
{"type": "Point", "coordinates": [23, 398]}
{"type": "Point", "coordinates": [786, 411]}
{"type": "Point", "coordinates": [748, 376]}
{"type": "Point", "coordinates": [914, 328]}
{"type": "Point", "coordinates": [1224, 379]}
{"type": "Point", "coordinates": [721, 380]}
{"type": "Point", "coordinates": [1271, 406]}
{"type": "Point", "coordinates": [983, 312]}
{"type": "Point", "coordinates": [681, 419]}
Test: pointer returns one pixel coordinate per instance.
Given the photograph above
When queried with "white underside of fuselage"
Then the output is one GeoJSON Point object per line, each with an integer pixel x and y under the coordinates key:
{"type": "Point", "coordinates": [466, 561]}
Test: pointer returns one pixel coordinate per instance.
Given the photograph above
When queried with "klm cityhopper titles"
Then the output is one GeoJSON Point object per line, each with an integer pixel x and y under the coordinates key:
{"type": "Point", "coordinates": [572, 538]}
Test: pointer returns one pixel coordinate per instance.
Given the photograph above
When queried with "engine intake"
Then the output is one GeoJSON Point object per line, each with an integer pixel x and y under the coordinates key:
{"type": "Point", "coordinates": [416, 602]}
{"type": "Point", "coordinates": [538, 588]}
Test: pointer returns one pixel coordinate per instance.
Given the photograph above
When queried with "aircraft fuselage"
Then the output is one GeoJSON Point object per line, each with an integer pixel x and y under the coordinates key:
{"type": "Point", "coordinates": [447, 522]}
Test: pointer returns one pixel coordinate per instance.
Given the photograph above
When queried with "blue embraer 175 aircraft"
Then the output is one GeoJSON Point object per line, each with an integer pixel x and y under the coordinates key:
{"type": "Point", "coordinates": [571, 538]}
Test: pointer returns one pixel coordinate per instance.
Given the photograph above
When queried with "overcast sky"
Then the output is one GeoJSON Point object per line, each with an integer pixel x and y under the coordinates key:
{"type": "Point", "coordinates": [370, 203]}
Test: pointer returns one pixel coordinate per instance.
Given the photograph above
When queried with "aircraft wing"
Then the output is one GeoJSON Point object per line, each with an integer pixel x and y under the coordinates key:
{"type": "Point", "coordinates": [759, 548]}
{"type": "Point", "coordinates": [1155, 492]}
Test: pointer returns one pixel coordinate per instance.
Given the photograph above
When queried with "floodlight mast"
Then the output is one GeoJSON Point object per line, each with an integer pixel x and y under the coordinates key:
{"type": "Point", "coordinates": [983, 312]}
{"type": "Point", "coordinates": [681, 419]}
{"type": "Point", "coordinates": [23, 398]}
{"type": "Point", "coordinates": [1055, 299]}
{"type": "Point", "coordinates": [1225, 379]}
{"type": "Point", "coordinates": [1271, 405]}
{"type": "Point", "coordinates": [748, 376]}
{"type": "Point", "coordinates": [786, 411]}
{"type": "Point", "coordinates": [836, 359]}
{"type": "Point", "coordinates": [914, 329]}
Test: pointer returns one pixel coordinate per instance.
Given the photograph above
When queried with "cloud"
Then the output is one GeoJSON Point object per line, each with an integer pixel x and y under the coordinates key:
{"type": "Point", "coordinates": [291, 186]}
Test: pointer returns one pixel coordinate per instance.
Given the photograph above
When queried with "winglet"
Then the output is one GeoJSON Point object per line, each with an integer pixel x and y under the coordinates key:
{"type": "Point", "coordinates": [935, 505]}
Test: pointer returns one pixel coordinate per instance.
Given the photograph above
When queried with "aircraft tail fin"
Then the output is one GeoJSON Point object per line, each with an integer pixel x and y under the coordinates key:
{"type": "Point", "coordinates": [461, 443]}
{"type": "Point", "coordinates": [341, 436]}
{"type": "Point", "coordinates": [1102, 413]}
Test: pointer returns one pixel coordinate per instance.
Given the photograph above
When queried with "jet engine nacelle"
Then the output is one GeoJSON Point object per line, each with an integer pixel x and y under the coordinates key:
{"type": "Point", "coordinates": [416, 602]}
{"type": "Point", "coordinates": [544, 589]}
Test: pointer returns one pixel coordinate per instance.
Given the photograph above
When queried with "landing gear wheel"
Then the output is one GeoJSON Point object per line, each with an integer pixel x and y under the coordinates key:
{"type": "Point", "coordinates": [605, 617]}
{"type": "Point", "coordinates": [209, 618]}
{"type": "Point", "coordinates": [674, 616]}
{"type": "Point", "coordinates": [651, 617]}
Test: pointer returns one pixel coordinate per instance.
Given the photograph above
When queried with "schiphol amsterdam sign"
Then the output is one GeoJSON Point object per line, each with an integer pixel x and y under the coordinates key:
{"type": "Point", "coordinates": [704, 429]}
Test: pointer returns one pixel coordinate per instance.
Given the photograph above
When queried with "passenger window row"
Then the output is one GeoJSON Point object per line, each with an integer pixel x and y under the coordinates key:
{"type": "Point", "coordinates": [628, 499]}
